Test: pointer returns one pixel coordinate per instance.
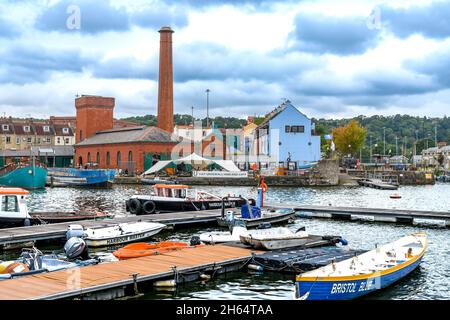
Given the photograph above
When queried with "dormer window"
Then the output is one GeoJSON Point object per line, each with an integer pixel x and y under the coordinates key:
{"type": "Point", "coordinates": [46, 129]}
{"type": "Point", "coordinates": [65, 130]}
{"type": "Point", "coordinates": [26, 128]}
{"type": "Point", "coordinates": [5, 127]}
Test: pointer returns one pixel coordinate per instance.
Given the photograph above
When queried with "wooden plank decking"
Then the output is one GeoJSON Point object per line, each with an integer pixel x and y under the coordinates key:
{"type": "Point", "coordinates": [64, 284]}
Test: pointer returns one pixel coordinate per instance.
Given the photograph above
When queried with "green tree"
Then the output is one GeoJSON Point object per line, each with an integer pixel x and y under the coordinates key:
{"type": "Point", "coordinates": [350, 138]}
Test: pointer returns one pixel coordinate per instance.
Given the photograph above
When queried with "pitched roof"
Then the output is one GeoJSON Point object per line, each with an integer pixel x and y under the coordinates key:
{"type": "Point", "coordinates": [277, 111]}
{"type": "Point", "coordinates": [57, 151]}
{"type": "Point", "coordinates": [128, 135]}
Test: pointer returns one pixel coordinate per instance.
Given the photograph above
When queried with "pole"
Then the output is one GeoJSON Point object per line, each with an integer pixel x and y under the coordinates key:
{"type": "Point", "coordinates": [384, 142]}
{"type": "Point", "coordinates": [192, 115]}
{"type": "Point", "coordinates": [207, 108]}
{"type": "Point", "coordinates": [396, 146]}
{"type": "Point", "coordinates": [435, 135]}
{"type": "Point", "coordinates": [370, 160]}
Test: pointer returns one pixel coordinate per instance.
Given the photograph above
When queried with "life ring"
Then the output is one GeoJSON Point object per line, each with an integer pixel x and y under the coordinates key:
{"type": "Point", "coordinates": [135, 206]}
{"type": "Point", "coordinates": [149, 207]}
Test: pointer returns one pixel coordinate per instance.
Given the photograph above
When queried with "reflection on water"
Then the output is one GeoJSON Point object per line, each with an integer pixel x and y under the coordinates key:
{"type": "Point", "coordinates": [429, 281]}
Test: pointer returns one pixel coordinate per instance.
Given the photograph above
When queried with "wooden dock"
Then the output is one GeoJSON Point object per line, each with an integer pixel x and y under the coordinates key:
{"type": "Point", "coordinates": [376, 214]}
{"type": "Point", "coordinates": [55, 231]}
{"type": "Point", "coordinates": [117, 279]}
{"type": "Point", "coordinates": [377, 184]}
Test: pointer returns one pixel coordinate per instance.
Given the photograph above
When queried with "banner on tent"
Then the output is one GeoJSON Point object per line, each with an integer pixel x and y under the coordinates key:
{"type": "Point", "coordinates": [220, 174]}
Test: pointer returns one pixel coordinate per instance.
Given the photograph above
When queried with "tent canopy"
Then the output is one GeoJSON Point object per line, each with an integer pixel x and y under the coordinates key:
{"type": "Point", "coordinates": [194, 160]}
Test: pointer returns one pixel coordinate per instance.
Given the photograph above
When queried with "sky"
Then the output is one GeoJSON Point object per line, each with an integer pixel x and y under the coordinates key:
{"type": "Point", "coordinates": [331, 59]}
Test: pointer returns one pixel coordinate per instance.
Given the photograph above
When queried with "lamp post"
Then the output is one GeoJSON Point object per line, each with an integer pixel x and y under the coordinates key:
{"type": "Point", "coordinates": [396, 145]}
{"type": "Point", "coordinates": [384, 141]}
{"type": "Point", "coordinates": [207, 107]}
{"type": "Point", "coordinates": [192, 115]}
{"type": "Point", "coordinates": [370, 159]}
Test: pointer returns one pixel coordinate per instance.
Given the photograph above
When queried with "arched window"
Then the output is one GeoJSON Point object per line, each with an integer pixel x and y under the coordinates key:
{"type": "Point", "coordinates": [98, 158]}
{"type": "Point", "coordinates": [119, 158]}
{"type": "Point", "coordinates": [108, 159]}
{"type": "Point", "coordinates": [130, 156]}
{"type": "Point", "coordinates": [89, 157]}
{"type": "Point", "coordinates": [81, 135]}
{"type": "Point", "coordinates": [80, 160]}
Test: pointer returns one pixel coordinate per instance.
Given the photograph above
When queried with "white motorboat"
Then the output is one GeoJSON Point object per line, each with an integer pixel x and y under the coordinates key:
{"type": "Point", "coordinates": [274, 238]}
{"type": "Point", "coordinates": [223, 236]}
{"type": "Point", "coordinates": [114, 235]}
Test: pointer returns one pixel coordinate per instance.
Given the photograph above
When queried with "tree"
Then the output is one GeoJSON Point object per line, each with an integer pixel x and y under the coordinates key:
{"type": "Point", "coordinates": [350, 138]}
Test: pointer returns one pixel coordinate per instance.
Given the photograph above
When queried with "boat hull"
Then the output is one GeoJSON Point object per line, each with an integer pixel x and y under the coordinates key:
{"type": "Point", "coordinates": [92, 242]}
{"type": "Point", "coordinates": [256, 222]}
{"type": "Point", "coordinates": [351, 289]}
{"type": "Point", "coordinates": [92, 178]}
{"type": "Point", "coordinates": [29, 177]}
{"type": "Point", "coordinates": [310, 241]}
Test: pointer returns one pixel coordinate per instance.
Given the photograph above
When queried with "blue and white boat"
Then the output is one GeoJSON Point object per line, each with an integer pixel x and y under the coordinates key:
{"type": "Point", "coordinates": [363, 274]}
{"type": "Point", "coordinates": [69, 177]}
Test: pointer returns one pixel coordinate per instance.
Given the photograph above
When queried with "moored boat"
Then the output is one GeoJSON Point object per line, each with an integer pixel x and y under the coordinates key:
{"type": "Point", "coordinates": [27, 177]}
{"type": "Point", "coordinates": [223, 236]}
{"type": "Point", "coordinates": [14, 211]}
{"type": "Point", "coordinates": [365, 273]}
{"type": "Point", "coordinates": [177, 198]}
{"type": "Point", "coordinates": [70, 177]}
{"type": "Point", "coordinates": [114, 235]}
{"type": "Point", "coordinates": [255, 217]}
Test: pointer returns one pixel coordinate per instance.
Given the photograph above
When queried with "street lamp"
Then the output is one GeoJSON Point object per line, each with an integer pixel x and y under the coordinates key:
{"type": "Point", "coordinates": [384, 141]}
{"type": "Point", "coordinates": [370, 159]}
{"type": "Point", "coordinates": [207, 107]}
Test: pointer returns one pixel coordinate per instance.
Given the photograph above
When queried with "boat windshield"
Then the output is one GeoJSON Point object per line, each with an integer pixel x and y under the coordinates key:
{"type": "Point", "coordinates": [10, 204]}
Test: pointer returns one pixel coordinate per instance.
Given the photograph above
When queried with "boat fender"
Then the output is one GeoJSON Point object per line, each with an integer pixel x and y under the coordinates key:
{"type": "Point", "coordinates": [149, 207]}
{"type": "Point", "coordinates": [135, 206]}
{"type": "Point", "coordinates": [165, 283]}
{"type": "Point", "coordinates": [26, 222]}
{"type": "Point", "coordinates": [205, 277]}
{"type": "Point", "coordinates": [343, 241]}
{"type": "Point", "coordinates": [195, 241]}
{"type": "Point", "coordinates": [255, 267]}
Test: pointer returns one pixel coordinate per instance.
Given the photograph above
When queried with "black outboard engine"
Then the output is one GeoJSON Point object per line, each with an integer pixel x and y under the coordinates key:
{"type": "Point", "coordinates": [76, 248]}
{"type": "Point", "coordinates": [195, 241]}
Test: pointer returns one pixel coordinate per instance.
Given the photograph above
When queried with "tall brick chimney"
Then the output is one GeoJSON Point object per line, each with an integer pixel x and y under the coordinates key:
{"type": "Point", "coordinates": [165, 84]}
{"type": "Point", "coordinates": [94, 113]}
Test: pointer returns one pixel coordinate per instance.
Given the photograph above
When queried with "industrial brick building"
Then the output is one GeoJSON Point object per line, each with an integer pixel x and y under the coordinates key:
{"type": "Point", "coordinates": [132, 149]}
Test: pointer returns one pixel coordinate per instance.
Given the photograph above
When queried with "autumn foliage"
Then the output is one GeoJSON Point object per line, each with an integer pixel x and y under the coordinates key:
{"type": "Point", "coordinates": [350, 138]}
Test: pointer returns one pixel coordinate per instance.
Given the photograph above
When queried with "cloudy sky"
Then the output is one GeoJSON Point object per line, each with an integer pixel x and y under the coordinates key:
{"type": "Point", "coordinates": [330, 58]}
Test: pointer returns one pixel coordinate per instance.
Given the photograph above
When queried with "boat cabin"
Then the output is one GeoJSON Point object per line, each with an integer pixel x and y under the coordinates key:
{"type": "Point", "coordinates": [180, 191]}
{"type": "Point", "coordinates": [13, 204]}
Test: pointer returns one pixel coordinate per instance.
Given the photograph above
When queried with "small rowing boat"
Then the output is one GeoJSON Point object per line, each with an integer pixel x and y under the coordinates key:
{"type": "Point", "coordinates": [142, 249]}
{"type": "Point", "coordinates": [223, 236]}
{"type": "Point", "coordinates": [365, 273]}
{"type": "Point", "coordinates": [117, 234]}
{"type": "Point", "coordinates": [255, 217]}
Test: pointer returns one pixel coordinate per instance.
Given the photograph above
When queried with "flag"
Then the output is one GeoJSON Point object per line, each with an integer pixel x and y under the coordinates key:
{"type": "Point", "coordinates": [328, 137]}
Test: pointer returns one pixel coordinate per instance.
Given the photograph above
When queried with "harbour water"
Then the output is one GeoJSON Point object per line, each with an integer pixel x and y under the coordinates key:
{"type": "Point", "coordinates": [429, 281]}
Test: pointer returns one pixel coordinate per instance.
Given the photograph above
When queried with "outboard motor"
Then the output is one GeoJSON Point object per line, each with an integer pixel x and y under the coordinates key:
{"type": "Point", "coordinates": [195, 241]}
{"type": "Point", "coordinates": [76, 248]}
{"type": "Point", "coordinates": [74, 230]}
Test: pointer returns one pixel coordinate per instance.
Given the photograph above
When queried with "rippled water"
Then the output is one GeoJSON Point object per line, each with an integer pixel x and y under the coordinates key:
{"type": "Point", "coordinates": [430, 281]}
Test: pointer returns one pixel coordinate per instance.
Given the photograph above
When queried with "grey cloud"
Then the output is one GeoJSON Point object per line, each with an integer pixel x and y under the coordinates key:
{"type": "Point", "coordinates": [7, 29]}
{"type": "Point", "coordinates": [21, 64]}
{"type": "Point", "coordinates": [435, 65]}
{"type": "Point", "coordinates": [432, 21]}
{"type": "Point", "coordinates": [336, 35]}
{"type": "Point", "coordinates": [96, 16]}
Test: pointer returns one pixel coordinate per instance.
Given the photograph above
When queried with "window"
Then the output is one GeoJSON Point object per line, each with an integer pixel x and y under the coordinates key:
{"type": "Point", "coordinates": [46, 129]}
{"type": "Point", "coordinates": [49, 140]}
{"type": "Point", "coordinates": [58, 140]}
{"type": "Point", "coordinates": [119, 156]}
{"type": "Point", "coordinates": [26, 128]}
{"type": "Point", "coordinates": [98, 157]}
{"type": "Point", "coordinates": [130, 156]}
{"type": "Point", "coordinates": [5, 127]}
{"type": "Point", "coordinates": [81, 135]}
{"type": "Point", "coordinates": [65, 130]}
{"type": "Point", "coordinates": [38, 140]}
{"type": "Point", "coordinates": [299, 129]}
{"type": "Point", "coordinates": [10, 204]}
{"type": "Point", "coordinates": [287, 129]}
{"type": "Point", "coordinates": [108, 159]}
{"type": "Point", "coordinates": [29, 140]}
{"type": "Point", "coordinates": [17, 140]}
{"type": "Point", "coordinates": [8, 140]}
{"type": "Point", "coordinates": [67, 141]}
{"type": "Point", "coordinates": [89, 157]}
